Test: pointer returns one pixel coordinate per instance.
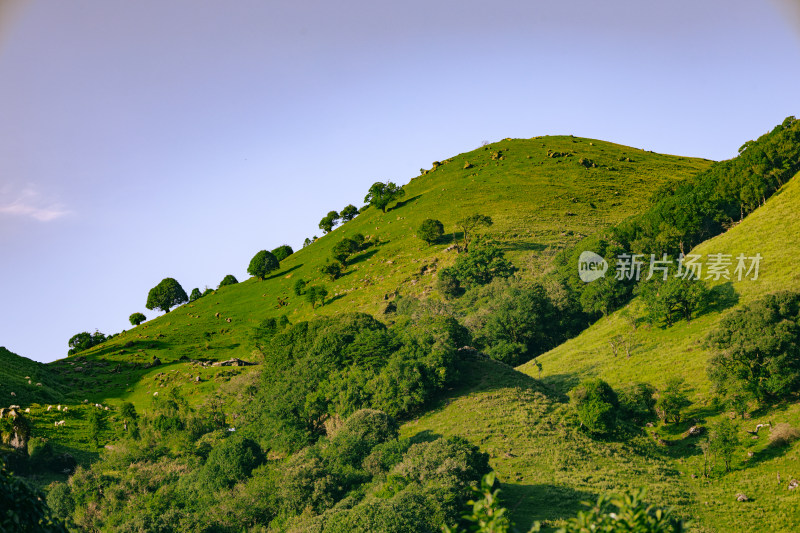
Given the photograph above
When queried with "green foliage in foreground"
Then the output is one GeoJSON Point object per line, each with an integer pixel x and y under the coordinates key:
{"type": "Point", "coordinates": [624, 513]}
{"type": "Point", "coordinates": [22, 508]}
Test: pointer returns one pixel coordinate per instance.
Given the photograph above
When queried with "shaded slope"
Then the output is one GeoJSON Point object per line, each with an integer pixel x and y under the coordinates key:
{"type": "Point", "coordinates": [546, 465]}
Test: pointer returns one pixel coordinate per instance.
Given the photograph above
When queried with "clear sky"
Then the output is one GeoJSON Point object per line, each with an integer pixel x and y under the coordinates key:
{"type": "Point", "coordinates": [151, 138]}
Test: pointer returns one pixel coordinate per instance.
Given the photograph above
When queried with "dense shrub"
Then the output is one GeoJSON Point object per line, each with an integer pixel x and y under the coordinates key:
{"type": "Point", "coordinates": [783, 434]}
{"type": "Point", "coordinates": [83, 341]}
{"type": "Point", "coordinates": [638, 402]}
{"type": "Point", "coordinates": [673, 400]}
{"type": "Point", "coordinates": [167, 294]}
{"type": "Point", "coordinates": [137, 318]}
{"type": "Point", "coordinates": [230, 279]}
{"type": "Point", "coordinates": [231, 461]}
{"type": "Point", "coordinates": [282, 252]}
{"type": "Point", "coordinates": [23, 509]}
{"type": "Point", "coordinates": [262, 264]}
{"type": "Point", "coordinates": [430, 230]}
{"type": "Point", "coordinates": [596, 404]}
{"type": "Point", "coordinates": [332, 270]}
{"type": "Point", "coordinates": [195, 295]}
{"type": "Point", "coordinates": [757, 348]}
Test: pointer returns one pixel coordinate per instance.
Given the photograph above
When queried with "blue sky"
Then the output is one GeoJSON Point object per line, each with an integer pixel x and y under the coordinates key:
{"type": "Point", "coordinates": [149, 139]}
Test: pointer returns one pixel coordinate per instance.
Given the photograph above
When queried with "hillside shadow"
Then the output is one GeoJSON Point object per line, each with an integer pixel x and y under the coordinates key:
{"type": "Point", "coordinates": [723, 297]}
{"type": "Point", "coordinates": [561, 384]}
{"type": "Point", "coordinates": [335, 298]}
{"type": "Point", "coordinates": [523, 246]}
{"type": "Point", "coordinates": [450, 238]}
{"type": "Point", "coordinates": [360, 258]}
{"type": "Point", "coordinates": [283, 272]}
{"type": "Point", "coordinates": [546, 503]}
{"type": "Point", "coordinates": [404, 203]}
{"type": "Point", "coordinates": [771, 451]}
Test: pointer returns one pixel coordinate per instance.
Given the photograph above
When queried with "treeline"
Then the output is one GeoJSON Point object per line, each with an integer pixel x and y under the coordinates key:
{"type": "Point", "coordinates": [685, 214]}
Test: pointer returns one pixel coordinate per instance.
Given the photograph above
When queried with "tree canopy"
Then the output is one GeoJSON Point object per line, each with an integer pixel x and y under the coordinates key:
{"type": "Point", "coordinates": [262, 264]}
{"type": "Point", "coordinates": [349, 213]}
{"type": "Point", "coordinates": [137, 318]}
{"type": "Point", "coordinates": [167, 294]}
{"type": "Point", "coordinates": [430, 230]}
{"type": "Point", "coordinates": [380, 195]}
{"type": "Point", "coordinates": [230, 279]}
{"type": "Point", "coordinates": [757, 348]}
{"type": "Point", "coordinates": [282, 252]}
{"type": "Point", "coordinates": [329, 221]}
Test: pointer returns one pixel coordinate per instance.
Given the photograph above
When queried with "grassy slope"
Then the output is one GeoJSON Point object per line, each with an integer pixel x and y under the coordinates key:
{"type": "Point", "coordinates": [661, 353]}
{"type": "Point", "coordinates": [29, 381]}
{"type": "Point", "coordinates": [538, 203]}
{"type": "Point", "coordinates": [547, 467]}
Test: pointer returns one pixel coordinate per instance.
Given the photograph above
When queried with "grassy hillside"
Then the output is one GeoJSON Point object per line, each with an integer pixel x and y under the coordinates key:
{"type": "Point", "coordinates": [547, 466]}
{"type": "Point", "coordinates": [29, 381]}
{"type": "Point", "coordinates": [661, 353]}
{"type": "Point", "coordinates": [542, 194]}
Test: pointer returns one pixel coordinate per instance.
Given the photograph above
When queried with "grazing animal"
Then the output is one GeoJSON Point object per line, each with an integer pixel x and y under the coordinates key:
{"type": "Point", "coordinates": [59, 423]}
{"type": "Point", "coordinates": [49, 407]}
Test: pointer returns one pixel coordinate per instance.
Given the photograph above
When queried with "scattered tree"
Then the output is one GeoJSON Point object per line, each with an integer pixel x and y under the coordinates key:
{"type": "Point", "coordinates": [83, 341]}
{"type": "Point", "coordinates": [380, 195]}
{"type": "Point", "coordinates": [481, 265]}
{"type": "Point", "coordinates": [137, 318]}
{"type": "Point", "coordinates": [673, 400]}
{"type": "Point", "coordinates": [596, 404]}
{"type": "Point", "coordinates": [349, 213]}
{"type": "Point", "coordinates": [282, 252]}
{"type": "Point", "coordinates": [316, 294]}
{"type": "Point", "coordinates": [343, 249]}
{"type": "Point", "coordinates": [299, 287]}
{"type": "Point", "coordinates": [195, 295]}
{"type": "Point", "coordinates": [469, 224]}
{"type": "Point", "coordinates": [430, 230]}
{"type": "Point", "coordinates": [228, 280]}
{"type": "Point", "coordinates": [725, 441]}
{"type": "Point", "coordinates": [674, 298]}
{"type": "Point", "coordinates": [329, 221]}
{"type": "Point", "coordinates": [167, 294]}
{"type": "Point", "coordinates": [332, 270]}
{"type": "Point", "coordinates": [262, 264]}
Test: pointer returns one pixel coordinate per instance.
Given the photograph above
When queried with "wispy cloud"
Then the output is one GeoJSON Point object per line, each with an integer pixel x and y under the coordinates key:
{"type": "Point", "coordinates": [29, 203]}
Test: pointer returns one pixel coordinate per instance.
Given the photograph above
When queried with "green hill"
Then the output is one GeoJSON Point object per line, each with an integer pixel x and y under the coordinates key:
{"type": "Point", "coordinates": [543, 194]}
{"type": "Point", "coordinates": [660, 353]}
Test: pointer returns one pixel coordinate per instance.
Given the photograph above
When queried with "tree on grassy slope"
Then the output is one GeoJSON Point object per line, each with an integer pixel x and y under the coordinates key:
{"type": "Point", "coordinates": [167, 294]}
